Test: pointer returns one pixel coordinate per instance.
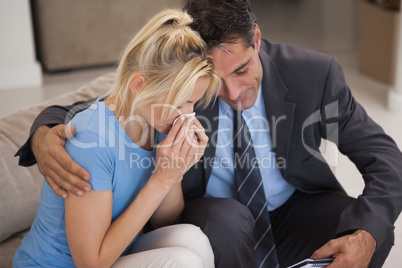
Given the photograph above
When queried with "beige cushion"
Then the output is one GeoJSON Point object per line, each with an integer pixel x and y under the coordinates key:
{"type": "Point", "coordinates": [19, 186]}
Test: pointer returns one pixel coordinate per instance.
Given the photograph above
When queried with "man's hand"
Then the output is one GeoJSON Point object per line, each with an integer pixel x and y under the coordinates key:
{"type": "Point", "coordinates": [59, 169]}
{"type": "Point", "coordinates": [353, 250]}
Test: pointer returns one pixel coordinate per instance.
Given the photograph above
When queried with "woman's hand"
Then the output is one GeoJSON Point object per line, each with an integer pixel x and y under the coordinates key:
{"type": "Point", "coordinates": [179, 151]}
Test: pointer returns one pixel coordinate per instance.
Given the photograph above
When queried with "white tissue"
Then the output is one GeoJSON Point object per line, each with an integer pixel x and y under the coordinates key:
{"type": "Point", "coordinates": [184, 116]}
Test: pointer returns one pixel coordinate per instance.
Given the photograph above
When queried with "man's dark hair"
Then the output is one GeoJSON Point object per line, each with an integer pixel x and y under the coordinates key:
{"type": "Point", "coordinates": [222, 21]}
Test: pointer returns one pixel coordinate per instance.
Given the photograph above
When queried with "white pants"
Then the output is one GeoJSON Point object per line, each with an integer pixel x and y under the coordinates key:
{"type": "Point", "coordinates": [180, 245]}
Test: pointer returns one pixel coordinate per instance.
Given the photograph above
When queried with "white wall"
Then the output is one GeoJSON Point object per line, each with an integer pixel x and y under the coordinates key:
{"type": "Point", "coordinates": [18, 66]}
{"type": "Point", "coordinates": [395, 94]}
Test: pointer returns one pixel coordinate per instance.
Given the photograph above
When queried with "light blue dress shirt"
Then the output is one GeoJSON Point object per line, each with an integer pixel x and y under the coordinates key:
{"type": "Point", "coordinates": [222, 182]}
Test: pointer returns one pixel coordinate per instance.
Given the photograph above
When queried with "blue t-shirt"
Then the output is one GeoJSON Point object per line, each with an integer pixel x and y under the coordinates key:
{"type": "Point", "coordinates": [115, 163]}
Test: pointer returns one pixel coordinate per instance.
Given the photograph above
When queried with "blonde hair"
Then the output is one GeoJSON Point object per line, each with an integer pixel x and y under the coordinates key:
{"type": "Point", "coordinates": [171, 57]}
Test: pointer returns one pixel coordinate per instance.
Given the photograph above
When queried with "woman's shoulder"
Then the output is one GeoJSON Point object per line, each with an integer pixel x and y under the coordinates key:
{"type": "Point", "coordinates": [93, 128]}
{"type": "Point", "coordinates": [95, 121]}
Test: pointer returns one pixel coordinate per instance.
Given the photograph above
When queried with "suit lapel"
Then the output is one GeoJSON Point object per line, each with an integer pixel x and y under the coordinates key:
{"type": "Point", "coordinates": [280, 113]}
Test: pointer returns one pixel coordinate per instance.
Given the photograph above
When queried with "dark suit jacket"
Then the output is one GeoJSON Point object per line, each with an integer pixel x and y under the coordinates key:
{"type": "Point", "coordinates": [306, 99]}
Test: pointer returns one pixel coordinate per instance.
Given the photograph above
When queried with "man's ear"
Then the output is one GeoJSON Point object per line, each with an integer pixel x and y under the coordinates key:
{"type": "Point", "coordinates": [136, 83]}
{"type": "Point", "coordinates": [257, 37]}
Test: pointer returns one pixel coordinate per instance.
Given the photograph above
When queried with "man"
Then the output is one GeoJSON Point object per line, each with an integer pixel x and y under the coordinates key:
{"type": "Point", "coordinates": [303, 97]}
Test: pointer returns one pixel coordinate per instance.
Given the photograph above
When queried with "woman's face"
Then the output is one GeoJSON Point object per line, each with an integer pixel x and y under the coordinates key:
{"type": "Point", "coordinates": [153, 112]}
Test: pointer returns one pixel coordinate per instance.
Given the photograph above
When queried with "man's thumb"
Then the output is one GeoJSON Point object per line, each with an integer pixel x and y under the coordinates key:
{"type": "Point", "coordinates": [70, 131]}
{"type": "Point", "coordinates": [65, 132]}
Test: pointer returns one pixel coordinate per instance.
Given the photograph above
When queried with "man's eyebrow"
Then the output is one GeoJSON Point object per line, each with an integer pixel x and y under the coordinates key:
{"type": "Point", "coordinates": [241, 66]}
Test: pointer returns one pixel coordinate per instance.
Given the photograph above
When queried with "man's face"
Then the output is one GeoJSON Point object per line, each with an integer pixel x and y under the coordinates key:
{"type": "Point", "coordinates": [241, 72]}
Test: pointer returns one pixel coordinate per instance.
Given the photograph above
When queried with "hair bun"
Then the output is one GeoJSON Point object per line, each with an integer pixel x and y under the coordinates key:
{"type": "Point", "coordinates": [182, 20]}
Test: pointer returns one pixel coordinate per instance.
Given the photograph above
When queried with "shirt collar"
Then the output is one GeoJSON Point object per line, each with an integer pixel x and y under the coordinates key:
{"type": "Point", "coordinates": [224, 108]}
{"type": "Point", "coordinates": [260, 100]}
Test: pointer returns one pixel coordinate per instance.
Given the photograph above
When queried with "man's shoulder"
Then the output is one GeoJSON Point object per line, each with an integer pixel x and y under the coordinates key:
{"type": "Point", "coordinates": [295, 63]}
{"type": "Point", "coordinates": [281, 51]}
{"type": "Point", "coordinates": [302, 71]}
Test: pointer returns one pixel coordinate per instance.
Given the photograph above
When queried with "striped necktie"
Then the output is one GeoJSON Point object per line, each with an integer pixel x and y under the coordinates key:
{"type": "Point", "coordinates": [251, 193]}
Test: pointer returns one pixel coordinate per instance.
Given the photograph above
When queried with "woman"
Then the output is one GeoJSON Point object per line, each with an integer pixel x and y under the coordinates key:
{"type": "Point", "coordinates": [163, 72]}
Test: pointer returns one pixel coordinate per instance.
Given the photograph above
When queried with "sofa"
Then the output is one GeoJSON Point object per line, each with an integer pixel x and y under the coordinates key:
{"type": "Point", "coordinates": [79, 34]}
{"type": "Point", "coordinates": [20, 186]}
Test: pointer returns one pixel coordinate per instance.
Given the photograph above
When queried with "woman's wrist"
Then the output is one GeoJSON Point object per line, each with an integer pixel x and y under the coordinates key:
{"type": "Point", "coordinates": [164, 183]}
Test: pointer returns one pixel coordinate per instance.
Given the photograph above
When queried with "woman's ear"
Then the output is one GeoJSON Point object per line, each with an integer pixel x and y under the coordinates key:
{"type": "Point", "coordinates": [136, 83]}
